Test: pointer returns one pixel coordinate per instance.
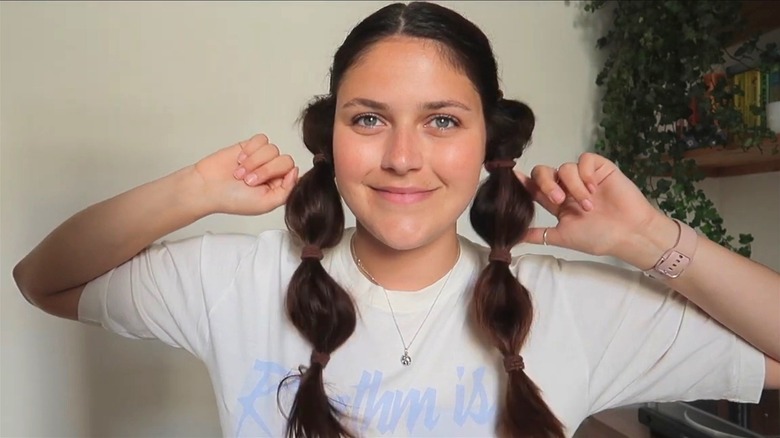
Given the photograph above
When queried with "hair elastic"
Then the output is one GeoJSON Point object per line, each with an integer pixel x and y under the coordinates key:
{"type": "Point", "coordinates": [513, 362]}
{"type": "Point", "coordinates": [320, 358]}
{"type": "Point", "coordinates": [500, 255]}
{"type": "Point", "coordinates": [311, 252]}
{"type": "Point", "coordinates": [497, 164]}
{"type": "Point", "coordinates": [319, 158]}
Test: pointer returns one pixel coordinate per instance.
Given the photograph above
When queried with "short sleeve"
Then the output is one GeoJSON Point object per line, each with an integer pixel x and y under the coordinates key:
{"type": "Point", "coordinates": [166, 291]}
{"type": "Point", "coordinates": [645, 342]}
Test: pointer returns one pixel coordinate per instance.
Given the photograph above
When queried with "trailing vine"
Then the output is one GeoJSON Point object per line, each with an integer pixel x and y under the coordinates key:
{"type": "Point", "coordinates": [660, 55]}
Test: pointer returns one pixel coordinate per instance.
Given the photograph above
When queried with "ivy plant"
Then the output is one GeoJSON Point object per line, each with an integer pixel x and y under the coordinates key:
{"type": "Point", "coordinates": [659, 56]}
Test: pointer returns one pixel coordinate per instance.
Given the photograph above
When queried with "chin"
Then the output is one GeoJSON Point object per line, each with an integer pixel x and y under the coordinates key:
{"type": "Point", "coordinates": [405, 236]}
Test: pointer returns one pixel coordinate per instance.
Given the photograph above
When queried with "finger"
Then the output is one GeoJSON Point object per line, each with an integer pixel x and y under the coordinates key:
{"type": "Point", "coordinates": [569, 177]}
{"type": "Point", "coordinates": [276, 168]}
{"type": "Point", "coordinates": [594, 169]}
{"type": "Point", "coordinates": [537, 193]}
{"type": "Point", "coordinates": [286, 182]}
{"type": "Point", "coordinates": [259, 157]}
{"type": "Point", "coordinates": [251, 146]}
{"type": "Point", "coordinates": [264, 154]}
{"type": "Point", "coordinates": [545, 179]}
{"type": "Point", "coordinates": [586, 166]}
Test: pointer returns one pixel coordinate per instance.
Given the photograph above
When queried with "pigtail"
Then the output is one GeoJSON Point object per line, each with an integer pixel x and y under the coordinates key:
{"type": "Point", "coordinates": [501, 214]}
{"type": "Point", "coordinates": [320, 308]}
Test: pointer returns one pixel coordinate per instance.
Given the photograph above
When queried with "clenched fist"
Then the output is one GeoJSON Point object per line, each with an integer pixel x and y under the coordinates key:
{"type": "Point", "coordinates": [247, 178]}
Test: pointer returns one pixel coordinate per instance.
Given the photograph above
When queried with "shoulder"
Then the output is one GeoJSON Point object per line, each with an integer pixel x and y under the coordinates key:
{"type": "Point", "coordinates": [268, 240]}
{"type": "Point", "coordinates": [229, 251]}
{"type": "Point", "coordinates": [562, 272]}
{"type": "Point", "coordinates": [229, 239]}
{"type": "Point", "coordinates": [235, 266]}
{"type": "Point", "coordinates": [548, 272]}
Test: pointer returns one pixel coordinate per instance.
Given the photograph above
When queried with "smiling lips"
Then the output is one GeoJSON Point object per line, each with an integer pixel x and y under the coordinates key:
{"type": "Point", "coordinates": [403, 195]}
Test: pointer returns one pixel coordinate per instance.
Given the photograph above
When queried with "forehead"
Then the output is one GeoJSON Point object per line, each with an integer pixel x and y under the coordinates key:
{"type": "Point", "coordinates": [409, 69]}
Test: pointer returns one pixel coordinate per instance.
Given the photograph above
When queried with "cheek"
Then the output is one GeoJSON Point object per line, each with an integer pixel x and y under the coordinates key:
{"type": "Point", "coordinates": [464, 161]}
{"type": "Point", "coordinates": [348, 158]}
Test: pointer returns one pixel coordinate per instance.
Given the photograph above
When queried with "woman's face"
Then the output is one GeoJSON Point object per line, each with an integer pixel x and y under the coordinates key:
{"type": "Point", "coordinates": [408, 142]}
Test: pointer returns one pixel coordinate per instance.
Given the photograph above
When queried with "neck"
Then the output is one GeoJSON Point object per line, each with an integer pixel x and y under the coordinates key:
{"type": "Point", "coordinates": [406, 270]}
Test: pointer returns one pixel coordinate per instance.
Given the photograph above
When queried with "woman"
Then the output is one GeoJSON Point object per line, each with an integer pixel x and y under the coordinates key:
{"type": "Point", "coordinates": [400, 326]}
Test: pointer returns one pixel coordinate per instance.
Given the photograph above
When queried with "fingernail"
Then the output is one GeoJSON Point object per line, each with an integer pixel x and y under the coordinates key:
{"type": "Point", "coordinates": [241, 157]}
{"type": "Point", "coordinates": [251, 179]}
{"type": "Point", "coordinates": [557, 195]}
{"type": "Point", "coordinates": [587, 205]}
{"type": "Point", "coordinates": [239, 173]}
{"type": "Point", "coordinates": [592, 188]}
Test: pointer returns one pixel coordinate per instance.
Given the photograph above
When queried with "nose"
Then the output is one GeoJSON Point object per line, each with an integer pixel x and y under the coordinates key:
{"type": "Point", "coordinates": [402, 152]}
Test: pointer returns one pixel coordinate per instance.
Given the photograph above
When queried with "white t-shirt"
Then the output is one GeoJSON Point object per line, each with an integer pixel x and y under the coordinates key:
{"type": "Point", "coordinates": [601, 337]}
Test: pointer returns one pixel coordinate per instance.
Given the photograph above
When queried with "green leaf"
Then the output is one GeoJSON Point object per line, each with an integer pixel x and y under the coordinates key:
{"type": "Point", "coordinates": [656, 56]}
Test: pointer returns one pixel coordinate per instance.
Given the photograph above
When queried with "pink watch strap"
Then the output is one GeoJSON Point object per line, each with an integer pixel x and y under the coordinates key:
{"type": "Point", "coordinates": [674, 261]}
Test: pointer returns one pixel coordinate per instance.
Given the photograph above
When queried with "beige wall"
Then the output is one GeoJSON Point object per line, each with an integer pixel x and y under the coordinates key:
{"type": "Point", "coordinates": [98, 97]}
{"type": "Point", "coordinates": [751, 204]}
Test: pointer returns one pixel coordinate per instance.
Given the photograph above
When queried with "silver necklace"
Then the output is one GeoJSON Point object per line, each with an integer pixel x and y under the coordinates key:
{"type": "Point", "coordinates": [406, 359]}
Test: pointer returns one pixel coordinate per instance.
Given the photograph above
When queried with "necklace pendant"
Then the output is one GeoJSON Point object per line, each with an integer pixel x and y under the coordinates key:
{"type": "Point", "coordinates": [406, 360]}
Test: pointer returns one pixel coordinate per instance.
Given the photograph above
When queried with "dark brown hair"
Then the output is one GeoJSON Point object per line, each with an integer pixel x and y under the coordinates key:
{"type": "Point", "coordinates": [501, 213]}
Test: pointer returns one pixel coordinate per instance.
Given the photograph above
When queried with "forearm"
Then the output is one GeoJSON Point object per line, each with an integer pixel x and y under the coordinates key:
{"type": "Point", "coordinates": [739, 293]}
{"type": "Point", "coordinates": [109, 233]}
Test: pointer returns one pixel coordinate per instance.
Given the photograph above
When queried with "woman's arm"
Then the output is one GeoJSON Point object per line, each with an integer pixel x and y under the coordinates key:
{"type": "Point", "coordinates": [772, 375]}
{"type": "Point", "coordinates": [104, 236]}
{"type": "Point", "coordinates": [109, 233]}
{"type": "Point", "coordinates": [601, 212]}
{"type": "Point", "coordinates": [741, 294]}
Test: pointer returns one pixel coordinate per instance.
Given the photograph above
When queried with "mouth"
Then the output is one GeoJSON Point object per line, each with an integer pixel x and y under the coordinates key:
{"type": "Point", "coordinates": [403, 195]}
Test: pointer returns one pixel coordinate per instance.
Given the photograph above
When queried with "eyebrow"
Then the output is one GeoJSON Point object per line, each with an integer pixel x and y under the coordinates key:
{"type": "Point", "coordinates": [440, 104]}
{"type": "Point", "coordinates": [431, 106]}
{"type": "Point", "coordinates": [358, 101]}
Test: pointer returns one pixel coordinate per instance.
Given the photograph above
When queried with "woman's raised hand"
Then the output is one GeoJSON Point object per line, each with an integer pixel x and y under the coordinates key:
{"type": "Point", "coordinates": [250, 177]}
{"type": "Point", "coordinates": [598, 208]}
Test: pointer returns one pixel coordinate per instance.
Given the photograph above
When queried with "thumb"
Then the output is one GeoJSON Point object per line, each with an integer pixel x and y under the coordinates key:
{"type": "Point", "coordinates": [535, 235]}
{"type": "Point", "coordinates": [278, 190]}
{"type": "Point", "coordinates": [290, 179]}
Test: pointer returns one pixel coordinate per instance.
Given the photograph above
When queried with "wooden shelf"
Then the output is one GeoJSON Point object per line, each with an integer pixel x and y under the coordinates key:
{"type": "Point", "coordinates": [614, 423]}
{"type": "Point", "coordinates": [761, 16]}
{"type": "Point", "coordinates": [719, 161]}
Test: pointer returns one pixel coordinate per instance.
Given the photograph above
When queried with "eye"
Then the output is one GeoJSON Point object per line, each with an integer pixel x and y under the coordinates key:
{"type": "Point", "coordinates": [367, 120]}
{"type": "Point", "coordinates": [444, 122]}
